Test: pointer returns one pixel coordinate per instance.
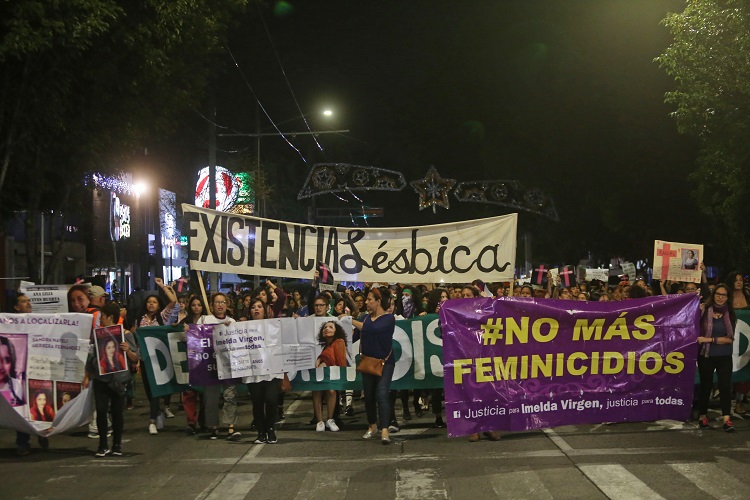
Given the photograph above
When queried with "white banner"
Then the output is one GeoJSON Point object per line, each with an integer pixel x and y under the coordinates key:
{"type": "Point", "coordinates": [47, 354]}
{"type": "Point", "coordinates": [272, 346]}
{"type": "Point", "coordinates": [455, 252]}
{"type": "Point", "coordinates": [597, 274]}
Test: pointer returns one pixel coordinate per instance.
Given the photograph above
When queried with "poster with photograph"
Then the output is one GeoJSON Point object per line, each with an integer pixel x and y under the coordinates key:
{"type": "Point", "coordinates": [677, 261]}
{"type": "Point", "coordinates": [13, 349]}
{"type": "Point", "coordinates": [109, 356]}
{"type": "Point", "coordinates": [41, 403]}
{"type": "Point", "coordinates": [65, 392]}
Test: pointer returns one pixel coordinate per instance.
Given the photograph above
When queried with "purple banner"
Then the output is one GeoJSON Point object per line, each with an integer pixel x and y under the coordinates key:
{"type": "Point", "coordinates": [517, 363]}
{"type": "Point", "coordinates": [201, 358]}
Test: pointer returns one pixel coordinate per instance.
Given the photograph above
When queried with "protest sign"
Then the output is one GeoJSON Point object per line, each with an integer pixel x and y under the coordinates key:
{"type": "Point", "coordinates": [629, 269]}
{"type": "Point", "coordinates": [164, 352]}
{"type": "Point", "coordinates": [65, 392]}
{"type": "Point", "coordinates": [248, 349]}
{"type": "Point", "coordinates": [677, 261]}
{"type": "Point", "coordinates": [539, 274]}
{"type": "Point", "coordinates": [46, 299]}
{"type": "Point", "coordinates": [45, 351]}
{"type": "Point", "coordinates": [527, 364]}
{"type": "Point", "coordinates": [454, 252]}
{"type": "Point", "coordinates": [201, 356]}
{"type": "Point", "coordinates": [567, 276]}
{"type": "Point", "coordinates": [109, 356]}
{"type": "Point", "coordinates": [597, 274]}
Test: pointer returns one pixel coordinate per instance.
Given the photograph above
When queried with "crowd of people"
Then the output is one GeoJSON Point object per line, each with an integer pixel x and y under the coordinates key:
{"type": "Point", "coordinates": [374, 310]}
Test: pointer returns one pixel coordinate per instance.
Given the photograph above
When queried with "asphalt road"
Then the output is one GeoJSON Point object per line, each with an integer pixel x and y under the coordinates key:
{"type": "Point", "coordinates": [664, 459]}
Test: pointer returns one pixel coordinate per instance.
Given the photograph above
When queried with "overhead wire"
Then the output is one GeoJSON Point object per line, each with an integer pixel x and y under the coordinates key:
{"type": "Point", "coordinates": [283, 72]}
{"type": "Point", "coordinates": [260, 105]}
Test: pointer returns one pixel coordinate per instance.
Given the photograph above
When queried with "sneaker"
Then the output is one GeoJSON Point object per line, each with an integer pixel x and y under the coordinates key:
{"type": "Point", "coordinates": [385, 440]}
{"type": "Point", "coordinates": [93, 435]}
{"type": "Point", "coordinates": [349, 411]}
{"type": "Point", "coordinates": [22, 451]}
{"type": "Point", "coordinates": [102, 452]}
{"type": "Point", "coordinates": [728, 427]}
{"type": "Point", "coordinates": [439, 422]}
{"type": "Point", "coordinates": [152, 429]}
{"type": "Point", "coordinates": [703, 423]}
{"type": "Point", "coordinates": [320, 426]}
{"type": "Point", "coordinates": [168, 413]}
{"type": "Point", "coordinates": [261, 438]}
{"type": "Point", "coordinates": [234, 435]}
{"type": "Point", "coordinates": [190, 430]}
{"type": "Point", "coordinates": [116, 450]}
{"type": "Point", "coordinates": [331, 425]}
{"type": "Point", "coordinates": [393, 428]}
{"type": "Point", "coordinates": [44, 442]}
{"type": "Point", "coordinates": [271, 437]}
{"type": "Point", "coordinates": [369, 434]}
{"type": "Point", "coordinates": [214, 434]}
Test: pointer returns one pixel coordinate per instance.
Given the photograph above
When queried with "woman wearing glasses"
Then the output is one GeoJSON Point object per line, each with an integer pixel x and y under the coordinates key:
{"type": "Point", "coordinates": [716, 338]}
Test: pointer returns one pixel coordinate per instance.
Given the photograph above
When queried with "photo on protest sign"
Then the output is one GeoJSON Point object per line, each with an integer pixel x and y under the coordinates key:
{"type": "Point", "coordinates": [13, 349]}
{"type": "Point", "coordinates": [65, 392]}
{"type": "Point", "coordinates": [690, 258]}
{"type": "Point", "coordinates": [41, 402]}
{"type": "Point", "coordinates": [109, 356]}
{"type": "Point", "coordinates": [677, 261]}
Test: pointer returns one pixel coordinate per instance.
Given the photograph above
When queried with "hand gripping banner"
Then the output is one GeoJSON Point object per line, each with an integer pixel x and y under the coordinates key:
{"type": "Point", "coordinates": [517, 364]}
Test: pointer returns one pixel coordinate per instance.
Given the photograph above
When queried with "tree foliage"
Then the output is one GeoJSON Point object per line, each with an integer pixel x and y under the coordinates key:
{"type": "Point", "coordinates": [84, 83]}
{"type": "Point", "coordinates": [709, 59]}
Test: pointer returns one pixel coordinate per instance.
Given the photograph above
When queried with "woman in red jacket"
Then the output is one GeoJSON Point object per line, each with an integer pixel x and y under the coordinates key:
{"type": "Point", "coordinates": [333, 340]}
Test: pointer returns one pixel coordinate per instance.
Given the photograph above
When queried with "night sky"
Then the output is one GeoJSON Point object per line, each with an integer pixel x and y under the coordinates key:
{"type": "Point", "coordinates": [560, 94]}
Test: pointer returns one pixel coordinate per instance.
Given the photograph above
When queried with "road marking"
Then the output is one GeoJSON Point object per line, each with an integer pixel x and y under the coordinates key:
{"type": "Point", "coordinates": [713, 480]}
{"type": "Point", "coordinates": [408, 432]}
{"type": "Point", "coordinates": [519, 484]}
{"type": "Point", "coordinates": [59, 478]}
{"type": "Point", "coordinates": [419, 483]}
{"type": "Point", "coordinates": [618, 483]}
{"type": "Point", "coordinates": [232, 485]}
{"type": "Point", "coordinates": [560, 442]}
{"type": "Point", "coordinates": [323, 486]}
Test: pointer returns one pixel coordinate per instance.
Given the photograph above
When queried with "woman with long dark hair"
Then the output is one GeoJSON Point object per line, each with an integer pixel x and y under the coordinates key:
{"type": "Point", "coordinates": [155, 315]}
{"type": "Point", "coordinates": [332, 339]}
{"type": "Point", "coordinates": [715, 341]}
{"type": "Point", "coordinates": [264, 390]}
{"type": "Point", "coordinates": [190, 398]}
{"type": "Point", "coordinates": [376, 339]}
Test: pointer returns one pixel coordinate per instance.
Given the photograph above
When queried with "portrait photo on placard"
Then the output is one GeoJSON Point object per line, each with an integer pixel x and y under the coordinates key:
{"type": "Point", "coordinates": [690, 258]}
{"type": "Point", "coordinates": [13, 348]}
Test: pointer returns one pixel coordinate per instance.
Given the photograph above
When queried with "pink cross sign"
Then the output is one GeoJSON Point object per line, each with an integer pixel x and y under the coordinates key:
{"type": "Point", "coordinates": [565, 274]}
{"type": "Point", "coordinates": [541, 272]}
{"type": "Point", "coordinates": [677, 261]}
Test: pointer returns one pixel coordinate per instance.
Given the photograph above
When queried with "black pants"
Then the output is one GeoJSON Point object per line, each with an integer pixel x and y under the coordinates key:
{"type": "Point", "coordinates": [723, 367]}
{"type": "Point", "coordinates": [105, 398]}
{"type": "Point", "coordinates": [264, 396]}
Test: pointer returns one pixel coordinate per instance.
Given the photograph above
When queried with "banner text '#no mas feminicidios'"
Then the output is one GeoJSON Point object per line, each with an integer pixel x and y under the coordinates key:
{"type": "Point", "coordinates": [240, 237]}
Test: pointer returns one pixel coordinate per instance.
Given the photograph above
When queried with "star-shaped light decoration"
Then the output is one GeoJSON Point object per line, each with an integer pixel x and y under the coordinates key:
{"type": "Point", "coordinates": [433, 190]}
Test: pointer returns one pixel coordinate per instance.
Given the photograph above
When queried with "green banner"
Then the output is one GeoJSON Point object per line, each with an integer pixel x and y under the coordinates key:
{"type": "Point", "coordinates": [418, 350]}
{"type": "Point", "coordinates": [164, 353]}
{"type": "Point", "coordinates": [742, 348]}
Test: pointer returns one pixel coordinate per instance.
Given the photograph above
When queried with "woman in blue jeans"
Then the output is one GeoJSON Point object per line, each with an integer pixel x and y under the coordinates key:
{"type": "Point", "coordinates": [376, 341]}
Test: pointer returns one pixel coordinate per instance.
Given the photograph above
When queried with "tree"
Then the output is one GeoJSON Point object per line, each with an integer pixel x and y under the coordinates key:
{"type": "Point", "coordinates": [86, 82]}
{"type": "Point", "coordinates": [710, 62]}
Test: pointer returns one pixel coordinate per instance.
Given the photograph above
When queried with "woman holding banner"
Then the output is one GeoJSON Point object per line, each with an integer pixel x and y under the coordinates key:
{"type": "Point", "coordinates": [264, 390]}
{"type": "Point", "coordinates": [195, 314]}
{"type": "Point", "coordinates": [155, 315]}
{"type": "Point", "coordinates": [376, 341]}
{"type": "Point", "coordinates": [716, 339]}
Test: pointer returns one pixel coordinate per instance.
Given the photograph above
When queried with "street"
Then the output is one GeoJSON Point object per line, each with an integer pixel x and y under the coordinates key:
{"type": "Point", "coordinates": [663, 459]}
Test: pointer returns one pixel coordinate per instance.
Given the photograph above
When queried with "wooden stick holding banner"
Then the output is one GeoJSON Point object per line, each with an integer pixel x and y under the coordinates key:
{"type": "Point", "coordinates": [203, 291]}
